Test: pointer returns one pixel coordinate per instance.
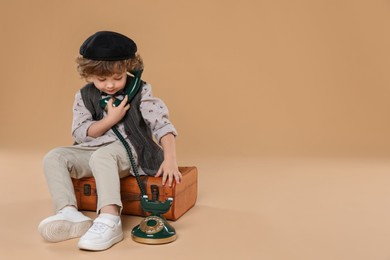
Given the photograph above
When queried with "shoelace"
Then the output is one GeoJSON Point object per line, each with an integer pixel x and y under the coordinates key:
{"type": "Point", "coordinates": [98, 227]}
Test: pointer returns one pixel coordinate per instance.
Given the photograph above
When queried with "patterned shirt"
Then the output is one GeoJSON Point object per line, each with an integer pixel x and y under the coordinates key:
{"type": "Point", "coordinates": [153, 110]}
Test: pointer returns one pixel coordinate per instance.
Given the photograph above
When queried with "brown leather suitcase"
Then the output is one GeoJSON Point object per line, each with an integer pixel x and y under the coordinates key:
{"type": "Point", "coordinates": [184, 194]}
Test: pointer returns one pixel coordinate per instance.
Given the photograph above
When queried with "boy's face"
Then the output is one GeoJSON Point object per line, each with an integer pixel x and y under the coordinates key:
{"type": "Point", "coordinates": [109, 84]}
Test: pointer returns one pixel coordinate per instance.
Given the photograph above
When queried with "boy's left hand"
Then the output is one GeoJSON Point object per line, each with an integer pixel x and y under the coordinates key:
{"type": "Point", "coordinates": [170, 171]}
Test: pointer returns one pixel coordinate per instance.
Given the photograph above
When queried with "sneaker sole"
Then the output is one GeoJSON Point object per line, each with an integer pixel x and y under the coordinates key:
{"type": "Point", "coordinates": [100, 247]}
{"type": "Point", "coordinates": [60, 230]}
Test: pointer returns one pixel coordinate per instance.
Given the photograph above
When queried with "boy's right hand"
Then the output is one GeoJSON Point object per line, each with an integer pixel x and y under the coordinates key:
{"type": "Point", "coordinates": [115, 114]}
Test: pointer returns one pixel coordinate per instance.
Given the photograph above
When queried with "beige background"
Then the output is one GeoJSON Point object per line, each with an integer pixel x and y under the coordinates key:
{"type": "Point", "coordinates": [286, 98]}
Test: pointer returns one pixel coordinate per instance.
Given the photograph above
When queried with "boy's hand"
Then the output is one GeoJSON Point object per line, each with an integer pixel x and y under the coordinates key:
{"type": "Point", "coordinates": [115, 114]}
{"type": "Point", "coordinates": [170, 171]}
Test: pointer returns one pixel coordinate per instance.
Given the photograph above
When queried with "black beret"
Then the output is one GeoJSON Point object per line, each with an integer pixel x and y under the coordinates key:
{"type": "Point", "coordinates": [106, 45]}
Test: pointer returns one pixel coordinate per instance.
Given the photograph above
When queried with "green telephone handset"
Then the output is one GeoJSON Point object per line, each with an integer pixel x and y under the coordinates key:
{"type": "Point", "coordinates": [131, 89]}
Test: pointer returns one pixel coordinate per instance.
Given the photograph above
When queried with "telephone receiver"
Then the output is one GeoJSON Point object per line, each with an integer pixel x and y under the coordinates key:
{"type": "Point", "coordinates": [131, 89]}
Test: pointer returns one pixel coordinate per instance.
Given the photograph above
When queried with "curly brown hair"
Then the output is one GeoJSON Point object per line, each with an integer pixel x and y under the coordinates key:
{"type": "Point", "coordinates": [87, 67]}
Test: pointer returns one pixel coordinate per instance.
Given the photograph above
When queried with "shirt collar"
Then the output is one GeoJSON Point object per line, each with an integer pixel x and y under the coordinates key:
{"type": "Point", "coordinates": [119, 93]}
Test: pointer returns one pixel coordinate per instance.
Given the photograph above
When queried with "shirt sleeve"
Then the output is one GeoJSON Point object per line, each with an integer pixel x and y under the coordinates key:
{"type": "Point", "coordinates": [155, 113]}
{"type": "Point", "coordinates": [82, 120]}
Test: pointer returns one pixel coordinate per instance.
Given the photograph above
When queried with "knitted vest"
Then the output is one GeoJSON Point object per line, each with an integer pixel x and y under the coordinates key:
{"type": "Point", "coordinates": [150, 155]}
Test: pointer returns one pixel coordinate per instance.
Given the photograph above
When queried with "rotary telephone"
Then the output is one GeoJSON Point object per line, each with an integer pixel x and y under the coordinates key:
{"type": "Point", "coordinates": [154, 229]}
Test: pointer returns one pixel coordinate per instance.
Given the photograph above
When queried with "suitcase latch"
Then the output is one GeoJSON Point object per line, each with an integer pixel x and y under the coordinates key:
{"type": "Point", "coordinates": [87, 189]}
{"type": "Point", "coordinates": [155, 192]}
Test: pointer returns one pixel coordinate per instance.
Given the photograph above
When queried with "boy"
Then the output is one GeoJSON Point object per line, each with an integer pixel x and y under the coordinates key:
{"type": "Point", "coordinates": [106, 60]}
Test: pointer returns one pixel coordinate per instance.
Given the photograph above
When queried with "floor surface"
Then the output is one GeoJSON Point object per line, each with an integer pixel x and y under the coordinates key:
{"type": "Point", "coordinates": [247, 208]}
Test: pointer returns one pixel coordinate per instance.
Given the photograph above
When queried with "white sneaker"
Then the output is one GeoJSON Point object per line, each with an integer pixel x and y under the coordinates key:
{"type": "Point", "coordinates": [66, 224]}
{"type": "Point", "coordinates": [103, 234]}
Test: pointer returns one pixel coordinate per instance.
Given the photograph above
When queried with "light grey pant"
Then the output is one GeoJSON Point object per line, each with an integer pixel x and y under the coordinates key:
{"type": "Point", "coordinates": [107, 164]}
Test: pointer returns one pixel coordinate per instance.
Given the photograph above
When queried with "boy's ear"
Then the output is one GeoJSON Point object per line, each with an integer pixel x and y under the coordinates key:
{"type": "Point", "coordinates": [89, 78]}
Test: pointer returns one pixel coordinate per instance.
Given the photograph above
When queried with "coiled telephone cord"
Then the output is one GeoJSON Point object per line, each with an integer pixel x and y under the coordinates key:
{"type": "Point", "coordinates": [131, 157]}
